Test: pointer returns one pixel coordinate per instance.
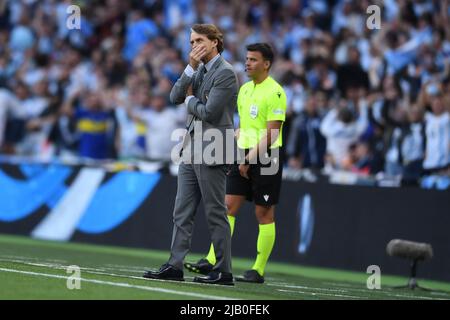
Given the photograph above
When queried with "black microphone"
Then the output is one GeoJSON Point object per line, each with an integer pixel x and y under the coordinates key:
{"type": "Point", "coordinates": [409, 249]}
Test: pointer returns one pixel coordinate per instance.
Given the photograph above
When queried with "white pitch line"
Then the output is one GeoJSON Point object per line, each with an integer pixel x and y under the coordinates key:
{"type": "Point", "coordinates": [90, 270]}
{"type": "Point", "coordinates": [303, 287]}
{"type": "Point", "coordinates": [345, 285]}
{"type": "Point", "coordinates": [122, 284]}
{"type": "Point", "coordinates": [323, 294]}
{"type": "Point", "coordinates": [63, 264]}
{"type": "Point", "coordinates": [119, 266]}
{"type": "Point", "coordinates": [23, 258]}
{"type": "Point", "coordinates": [139, 271]}
{"type": "Point", "coordinates": [102, 272]}
{"type": "Point", "coordinates": [412, 297]}
{"type": "Point", "coordinates": [349, 287]}
{"type": "Point", "coordinates": [357, 290]}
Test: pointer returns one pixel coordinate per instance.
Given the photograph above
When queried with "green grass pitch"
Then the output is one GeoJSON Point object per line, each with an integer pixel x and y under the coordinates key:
{"type": "Point", "coordinates": [34, 269]}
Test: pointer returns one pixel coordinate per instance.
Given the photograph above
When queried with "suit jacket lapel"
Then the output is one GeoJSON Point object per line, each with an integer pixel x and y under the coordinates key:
{"type": "Point", "coordinates": [214, 67]}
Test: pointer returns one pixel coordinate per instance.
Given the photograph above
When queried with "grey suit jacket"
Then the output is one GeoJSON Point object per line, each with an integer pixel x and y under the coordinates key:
{"type": "Point", "coordinates": [212, 107]}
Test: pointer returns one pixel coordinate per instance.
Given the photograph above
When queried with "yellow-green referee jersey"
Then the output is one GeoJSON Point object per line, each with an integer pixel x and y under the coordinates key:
{"type": "Point", "coordinates": [258, 104]}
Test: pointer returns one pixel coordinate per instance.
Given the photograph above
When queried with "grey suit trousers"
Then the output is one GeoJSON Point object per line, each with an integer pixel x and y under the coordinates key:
{"type": "Point", "coordinates": [198, 182]}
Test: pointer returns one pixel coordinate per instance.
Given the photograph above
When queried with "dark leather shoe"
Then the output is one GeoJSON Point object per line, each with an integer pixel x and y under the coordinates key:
{"type": "Point", "coordinates": [251, 276]}
{"type": "Point", "coordinates": [216, 277]}
{"type": "Point", "coordinates": [166, 272]}
{"type": "Point", "coordinates": [202, 266]}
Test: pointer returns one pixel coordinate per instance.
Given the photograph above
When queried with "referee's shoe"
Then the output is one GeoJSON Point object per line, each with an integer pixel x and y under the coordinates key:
{"type": "Point", "coordinates": [202, 266]}
{"type": "Point", "coordinates": [251, 276]}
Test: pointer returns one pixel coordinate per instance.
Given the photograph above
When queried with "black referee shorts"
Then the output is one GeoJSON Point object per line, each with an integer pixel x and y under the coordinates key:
{"type": "Point", "coordinates": [262, 188]}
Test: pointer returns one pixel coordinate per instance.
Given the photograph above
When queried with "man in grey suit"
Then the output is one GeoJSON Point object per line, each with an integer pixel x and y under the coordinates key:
{"type": "Point", "coordinates": [209, 91]}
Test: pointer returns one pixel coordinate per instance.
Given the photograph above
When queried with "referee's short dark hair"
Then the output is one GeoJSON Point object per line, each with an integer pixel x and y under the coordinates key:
{"type": "Point", "coordinates": [264, 48]}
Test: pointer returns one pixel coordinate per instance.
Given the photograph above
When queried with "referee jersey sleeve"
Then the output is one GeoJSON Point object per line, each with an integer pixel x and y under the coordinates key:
{"type": "Point", "coordinates": [276, 108]}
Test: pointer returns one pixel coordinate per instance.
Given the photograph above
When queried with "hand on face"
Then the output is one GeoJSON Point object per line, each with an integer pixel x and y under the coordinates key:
{"type": "Point", "coordinates": [196, 55]}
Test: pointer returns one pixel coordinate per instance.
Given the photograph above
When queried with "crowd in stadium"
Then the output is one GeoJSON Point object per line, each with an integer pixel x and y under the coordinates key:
{"type": "Point", "coordinates": [359, 99]}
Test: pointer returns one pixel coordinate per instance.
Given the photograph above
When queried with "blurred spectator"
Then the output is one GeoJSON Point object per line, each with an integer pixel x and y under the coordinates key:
{"type": "Point", "coordinates": [437, 155]}
{"type": "Point", "coordinates": [342, 127]}
{"type": "Point", "coordinates": [39, 116]}
{"type": "Point", "coordinates": [132, 133]}
{"type": "Point", "coordinates": [321, 76]}
{"type": "Point", "coordinates": [361, 159]}
{"type": "Point", "coordinates": [139, 31]}
{"type": "Point", "coordinates": [95, 126]}
{"type": "Point", "coordinates": [25, 109]}
{"type": "Point", "coordinates": [160, 121]}
{"type": "Point", "coordinates": [22, 37]}
{"type": "Point", "coordinates": [407, 147]}
{"type": "Point", "coordinates": [9, 105]}
{"type": "Point", "coordinates": [306, 145]}
{"type": "Point", "coordinates": [347, 15]}
{"type": "Point", "coordinates": [351, 74]}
